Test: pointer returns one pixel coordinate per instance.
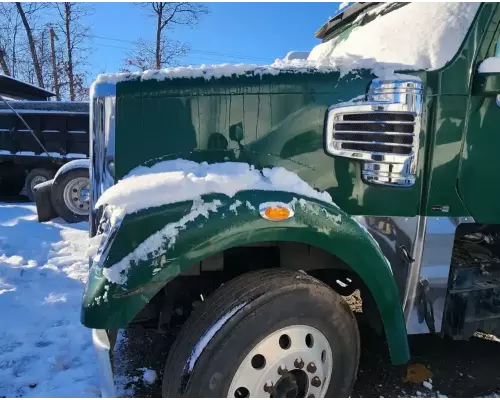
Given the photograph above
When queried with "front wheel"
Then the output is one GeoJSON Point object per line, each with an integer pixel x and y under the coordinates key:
{"type": "Point", "coordinates": [274, 333]}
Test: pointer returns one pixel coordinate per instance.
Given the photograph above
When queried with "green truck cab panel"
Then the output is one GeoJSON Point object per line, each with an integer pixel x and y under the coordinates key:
{"type": "Point", "coordinates": [478, 175]}
{"type": "Point", "coordinates": [477, 178]}
{"type": "Point", "coordinates": [236, 222]}
{"type": "Point", "coordinates": [263, 120]}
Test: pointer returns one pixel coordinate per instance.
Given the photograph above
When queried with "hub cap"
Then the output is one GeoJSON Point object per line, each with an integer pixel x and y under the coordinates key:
{"type": "Point", "coordinates": [76, 196]}
{"type": "Point", "coordinates": [291, 362]}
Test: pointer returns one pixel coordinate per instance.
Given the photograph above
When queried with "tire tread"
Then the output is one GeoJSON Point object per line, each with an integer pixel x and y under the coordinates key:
{"type": "Point", "coordinates": [231, 294]}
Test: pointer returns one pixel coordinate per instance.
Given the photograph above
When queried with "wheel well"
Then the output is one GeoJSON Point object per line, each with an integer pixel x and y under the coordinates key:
{"type": "Point", "coordinates": [170, 307]}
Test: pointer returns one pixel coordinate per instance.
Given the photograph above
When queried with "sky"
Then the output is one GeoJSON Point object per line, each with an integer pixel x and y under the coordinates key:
{"type": "Point", "coordinates": [255, 33]}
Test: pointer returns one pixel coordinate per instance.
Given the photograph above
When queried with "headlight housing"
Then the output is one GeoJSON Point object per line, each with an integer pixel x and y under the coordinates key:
{"type": "Point", "coordinates": [107, 229]}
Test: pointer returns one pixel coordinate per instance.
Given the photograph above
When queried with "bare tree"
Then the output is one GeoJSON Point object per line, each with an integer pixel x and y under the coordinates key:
{"type": "Point", "coordinates": [53, 57]}
{"type": "Point", "coordinates": [5, 31]}
{"type": "Point", "coordinates": [143, 57]}
{"type": "Point", "coordinates": [32, 45]}
{"type": "Point", "coordinates": [3, 62]}
{"type": "Point", "coordinates": [76, 36]}
{"type": "Point", "coordinates": [9, 26]}
{"type": "Point", "coordinates": [163, 51]}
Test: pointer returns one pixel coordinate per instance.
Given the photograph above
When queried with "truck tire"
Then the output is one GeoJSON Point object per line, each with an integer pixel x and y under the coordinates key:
{"type": "Point", "coordinates": [44, 208]}
{"type": "Point", "coordinates": [70, 194]}
{"type": "Point", "coordinates": [33, 178]}
{"type": "Point", "coordinates": [275, 333]}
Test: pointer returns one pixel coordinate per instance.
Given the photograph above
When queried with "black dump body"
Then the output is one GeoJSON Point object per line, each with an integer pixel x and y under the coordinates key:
{"type": "Point", "coordinates": [62, 128]}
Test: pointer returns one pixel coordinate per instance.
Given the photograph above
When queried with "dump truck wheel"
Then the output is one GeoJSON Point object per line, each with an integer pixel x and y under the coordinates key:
{"type": "Point", "coordinates": [70, 195]}
{"type": "Point", "coordinates": [272, 333]}
{"type": "Point", "coordinates": [35, 177]}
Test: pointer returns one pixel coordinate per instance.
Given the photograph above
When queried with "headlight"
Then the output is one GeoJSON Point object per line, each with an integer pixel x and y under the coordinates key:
{"type": "Point", "coordinates": [109, 224]}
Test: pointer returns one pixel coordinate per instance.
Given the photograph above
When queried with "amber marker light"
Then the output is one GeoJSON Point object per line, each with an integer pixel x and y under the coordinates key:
{"type": "Point", "coordinates": [275, 211]}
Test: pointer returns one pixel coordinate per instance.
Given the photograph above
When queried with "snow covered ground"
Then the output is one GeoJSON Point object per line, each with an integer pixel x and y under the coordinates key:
{"type": "Point", "coordinates": [44, 350]}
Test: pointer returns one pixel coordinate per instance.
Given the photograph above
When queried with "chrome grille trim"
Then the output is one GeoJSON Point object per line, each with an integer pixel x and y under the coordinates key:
{"type": "Point", "coordinates": [102, 146]}
{"type": "Point", "coordinates": [382, 131]}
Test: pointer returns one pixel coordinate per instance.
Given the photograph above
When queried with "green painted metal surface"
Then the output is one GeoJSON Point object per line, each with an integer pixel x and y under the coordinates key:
{"type": "Point", "coordinates": [446, 103]}
{"type": "Point", "coordinates": [279, 121]}
{"type": "Point", "coordinates": [477, 176]}
{"type": "Point", "coordinates": [478, 182]}
{"type": "Point", "coordinates": [315, 223]}
{"type": "Point", "coordinates": [262, 120]}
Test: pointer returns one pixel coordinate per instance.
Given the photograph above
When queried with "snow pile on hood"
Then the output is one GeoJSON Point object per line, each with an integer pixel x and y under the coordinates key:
{"type": "Point", "coordinates": [117, 273]}
{"type": "Point", "coordinates": [44, 349]}
{"type": "Point", "coordinates": [180, 180]}
{"type": "Point", "coordinates": [416, 36]}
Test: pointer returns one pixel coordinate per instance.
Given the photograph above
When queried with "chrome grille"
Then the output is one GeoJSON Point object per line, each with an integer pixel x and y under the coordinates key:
{"type": "Point", "coordinates": [375, 132]}
{"type": "Point", "coordinates": [383, 131]}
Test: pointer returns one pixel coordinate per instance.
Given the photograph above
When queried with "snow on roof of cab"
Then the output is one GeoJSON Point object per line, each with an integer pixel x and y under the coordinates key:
{"type": "Point", "coordinates": [343, 5]}
{"type": "Point", "coordinates": [417, 36]}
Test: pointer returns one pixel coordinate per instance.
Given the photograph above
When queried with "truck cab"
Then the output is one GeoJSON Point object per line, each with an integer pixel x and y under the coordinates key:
{"type": "Point", "coordinates": [235, 207]}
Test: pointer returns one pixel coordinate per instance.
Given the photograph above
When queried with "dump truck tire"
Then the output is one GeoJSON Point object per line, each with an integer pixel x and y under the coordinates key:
{"type": "Point", "coordinates": [270, 333]}
{"type": "Point", "coordinates": [35, 177]}
{"type": "Point", "coordinates": [66, 195]}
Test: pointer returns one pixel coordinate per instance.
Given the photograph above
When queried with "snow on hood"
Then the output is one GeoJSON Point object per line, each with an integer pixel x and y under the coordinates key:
{"type": "Point", "coordinates": [416, 36]}
{"type": "Point", "coordinates": [180, 180]}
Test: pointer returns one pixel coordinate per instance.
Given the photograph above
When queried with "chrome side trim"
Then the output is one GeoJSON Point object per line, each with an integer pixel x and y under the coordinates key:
{"type": "Point", "coordinates": [419, 250]}
{"type": "Point", "coordinates": [389, 152]}
{"type": "Point", "coordinates": [414, 271]}
{"type": "Point", "coordinates": [428, 279]}
{"type": "Point", "coordinates": [102, 145]}
{"type": "Point", "coordinates": [396, 237]}
{"type": "Point", "coordinates": [103, 350]}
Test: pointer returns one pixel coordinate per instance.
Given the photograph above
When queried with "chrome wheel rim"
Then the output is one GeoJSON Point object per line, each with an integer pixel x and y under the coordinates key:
{"type": "Point", "coordinates": [76, 196]}
{"type": "Point", "coordinates": [37, 180]}
{"type": "Point", "coordinates": [292, 362]}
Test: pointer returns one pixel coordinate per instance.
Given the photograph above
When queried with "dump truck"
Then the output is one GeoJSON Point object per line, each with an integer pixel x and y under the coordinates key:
{"type": "Point", "coordinates": [235, 207]}
{"type": "Point", "coordinates": [44, 141]}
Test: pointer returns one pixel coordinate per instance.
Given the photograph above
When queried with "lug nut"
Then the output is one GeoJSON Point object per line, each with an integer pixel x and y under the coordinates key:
{"type": "Point", "coordinates": [268, 387]}
{"type": "Point", "coordinates": [299, 363]}
{"type": "Point", "coordinates": [311, 367]}
{"type": "Point", "coordinates": [282, 369]}
{"type": "Point", "coordinates": [316, 382]}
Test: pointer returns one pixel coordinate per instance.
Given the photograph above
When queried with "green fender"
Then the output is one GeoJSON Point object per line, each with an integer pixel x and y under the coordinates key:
{"type": "Point", "coordinates": [235, 221]}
